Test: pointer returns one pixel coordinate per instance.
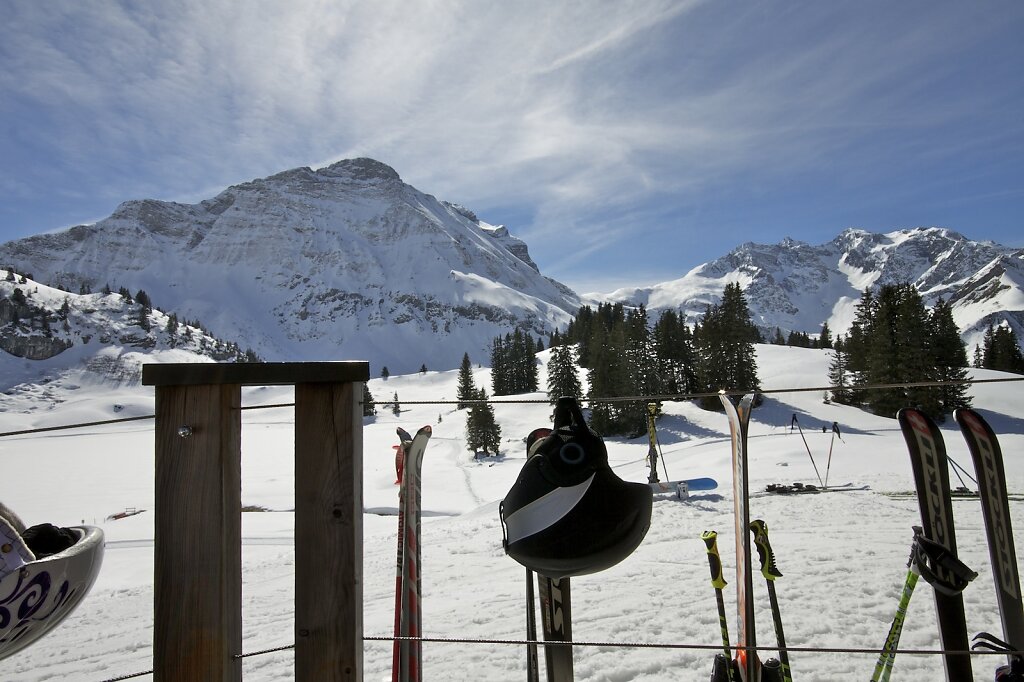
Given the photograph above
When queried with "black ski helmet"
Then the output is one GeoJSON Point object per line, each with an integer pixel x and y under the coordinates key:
{"type": "Point", "coordinates": [568, 514]}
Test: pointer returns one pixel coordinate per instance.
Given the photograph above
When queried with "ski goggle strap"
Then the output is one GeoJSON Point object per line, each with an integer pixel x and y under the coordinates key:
{"type": "Point", "coordinates": [940, 567]}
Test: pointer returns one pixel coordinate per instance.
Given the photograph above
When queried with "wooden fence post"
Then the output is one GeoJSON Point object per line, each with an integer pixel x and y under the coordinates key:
{"type": "Point", "coordinates": [328, 533]}
{"type": "Point", "coordinates": [197, 550]}
{"type": "Point", "coordinates": [197, 545]}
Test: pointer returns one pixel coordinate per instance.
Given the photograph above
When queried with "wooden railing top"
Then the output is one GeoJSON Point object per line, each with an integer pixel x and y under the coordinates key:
{"type": "Point", "coordinates": [254, 373]}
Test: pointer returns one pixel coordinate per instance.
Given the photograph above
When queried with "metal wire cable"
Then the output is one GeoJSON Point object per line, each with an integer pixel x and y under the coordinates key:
{"type": "Point", "coordinates": [645, 645]}
{"type": "Point", "coordinates": [617, 645]}
{"type": "Point", "coordinates": [667, 397]}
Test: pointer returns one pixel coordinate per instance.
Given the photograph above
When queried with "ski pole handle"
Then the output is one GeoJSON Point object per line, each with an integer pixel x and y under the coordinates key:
{"type": "Point", "coordinates": [710, 539]}
{"type": "Point", "coordinates": [764, 550]}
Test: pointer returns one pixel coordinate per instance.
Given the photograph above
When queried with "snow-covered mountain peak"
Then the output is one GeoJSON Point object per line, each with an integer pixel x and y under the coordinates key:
{"type": "Point", "coordinates": [793, 285]}
{"type": "Point", "coordinates": [344, 262]}
{"type": "Point", "coordinates": [361, 169]}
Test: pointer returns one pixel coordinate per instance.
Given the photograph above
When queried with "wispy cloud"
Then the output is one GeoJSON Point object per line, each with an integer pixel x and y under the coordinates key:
{"type": "Point", "coordinates": [597, 116]}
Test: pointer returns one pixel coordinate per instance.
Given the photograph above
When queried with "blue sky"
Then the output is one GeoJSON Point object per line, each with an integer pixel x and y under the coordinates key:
{"type": "Point", "coordinates": [626, 141]}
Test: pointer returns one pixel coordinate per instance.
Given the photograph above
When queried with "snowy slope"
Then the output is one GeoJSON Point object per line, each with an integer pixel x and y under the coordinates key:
{"type": "Point", "coordinates": [843, 555]}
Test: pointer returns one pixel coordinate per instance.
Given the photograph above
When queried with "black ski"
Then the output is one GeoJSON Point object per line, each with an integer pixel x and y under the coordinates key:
{"type": "Point", "coordinates": [988, 464]}
{"type": "Point", "coordinates": [746, 641]}
{"type": "Point", "coordinates": [556, 619]}
{"type": "Point", "coordinates": [943, 570]}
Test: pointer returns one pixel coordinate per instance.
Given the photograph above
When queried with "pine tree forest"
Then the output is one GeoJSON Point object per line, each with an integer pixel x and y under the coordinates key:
{"type": "Point", "coordinates": [894, 339]}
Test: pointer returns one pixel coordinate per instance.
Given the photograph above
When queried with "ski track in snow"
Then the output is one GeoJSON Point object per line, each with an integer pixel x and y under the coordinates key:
{"type": "Point", "coordinates": [843, 555]}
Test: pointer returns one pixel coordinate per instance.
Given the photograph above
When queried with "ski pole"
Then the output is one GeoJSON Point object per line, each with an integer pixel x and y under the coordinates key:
{"type": "Point", "coordinates": [710, 539]}
{"type": "Point", "coordinates": [828, 464]}
{"type": "Point", "coordinates": [799, 428]}
{"type": "Point", "coordinates": [883, 669]}
{"type": "Point", "coordinates": [770, 572]}
{"type": "Point", "coordinates": [652, 452]}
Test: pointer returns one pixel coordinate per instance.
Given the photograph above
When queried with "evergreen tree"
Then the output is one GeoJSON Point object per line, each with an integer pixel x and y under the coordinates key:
{"type": "Point", "coordinates": [1002, 350]}
{"type": "Point", "coordinates": [856, 342]}
{"type": "Point", "coordinates": [466, 388]}
{"type": "Point", "coordinates": [395, 407]}
{"type": "Point", "coordinates": [900, 350]}
{"type": "Point", "coordinates": [483, 434]}
{"type": "Point", "coordinates": [949, 357]}
{"type": "Point", "coordinates": [172, 330]}
{"type": "Point", "coordinates": [142, 318]}
{"type": "Point", "coordinates": [606, 376]}
{"type": "Point", "coordinates": [369, 408]}
{"type": "Point", "coordinates": [778, 339]}
{"type": "Point", "coordinates": [825, 336]}
{"type": "Point", "coordinates": [641, 377]}
{"type": "Point", "coordinates": [514, 364]}
{"type": "Point", "coordinates": [580, 332]}
{"type": "Point", "coordinates": [724, 342]}
{"type": "Point", "coordinates": [673, 344]}
{"type": "Point", "coordinates": [562, 377]}
{"type": "Point", "coordinates": [385, 373]}
{"type": "Point", "coordinates": [838, 374]}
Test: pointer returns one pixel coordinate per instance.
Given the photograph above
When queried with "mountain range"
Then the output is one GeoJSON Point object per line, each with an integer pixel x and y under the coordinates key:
{"type": "Point", "coordinates": [350, 262]}
{"type": "Point", "coordinates": [793, 285]}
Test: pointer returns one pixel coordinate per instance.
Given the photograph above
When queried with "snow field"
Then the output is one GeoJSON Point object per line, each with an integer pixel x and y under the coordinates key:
{"type": "Point", "coordinates": [843, 554]}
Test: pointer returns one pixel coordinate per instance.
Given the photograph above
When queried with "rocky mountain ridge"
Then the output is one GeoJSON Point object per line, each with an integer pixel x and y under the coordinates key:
{"type": "Point", "coordinates": [343, 262]}
{"type": "Point", "coordinates": [350, 262]}
{"type": "Point", "coordinates": [795, 286]}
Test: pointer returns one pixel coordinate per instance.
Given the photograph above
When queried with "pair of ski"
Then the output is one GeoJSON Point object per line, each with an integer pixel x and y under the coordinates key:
{"type": "Point", "coordinates": [408, 652]}
{"type": "Point", "coordinates": [746, 664]}
{"type": "Point", "coordinates": [934, 555]}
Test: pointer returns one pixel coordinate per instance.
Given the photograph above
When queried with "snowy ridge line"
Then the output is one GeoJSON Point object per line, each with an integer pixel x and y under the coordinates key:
{"type": "Point", "coordinates": [668, 397]}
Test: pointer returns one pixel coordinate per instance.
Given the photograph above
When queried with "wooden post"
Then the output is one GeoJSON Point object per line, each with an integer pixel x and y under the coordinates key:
{"type": "Point", "coordinates": [197, 552]}
{"type": "Point", "coordinates": [328, 533]}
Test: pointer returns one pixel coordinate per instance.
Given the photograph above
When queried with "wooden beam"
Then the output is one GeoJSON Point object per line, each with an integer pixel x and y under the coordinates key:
{"type": "Point", "coordinates": [328, 532]}
{"type": "Point", "coordinates": [254, 373]}
{"type": "Point", "coordinates": [197, 548]}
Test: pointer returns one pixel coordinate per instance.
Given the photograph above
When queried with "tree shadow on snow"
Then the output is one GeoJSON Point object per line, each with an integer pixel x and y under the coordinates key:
{"type": "Point", "coordinates": [773, 412]}
{"type": "Point", "coordinates": [674, 428]}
